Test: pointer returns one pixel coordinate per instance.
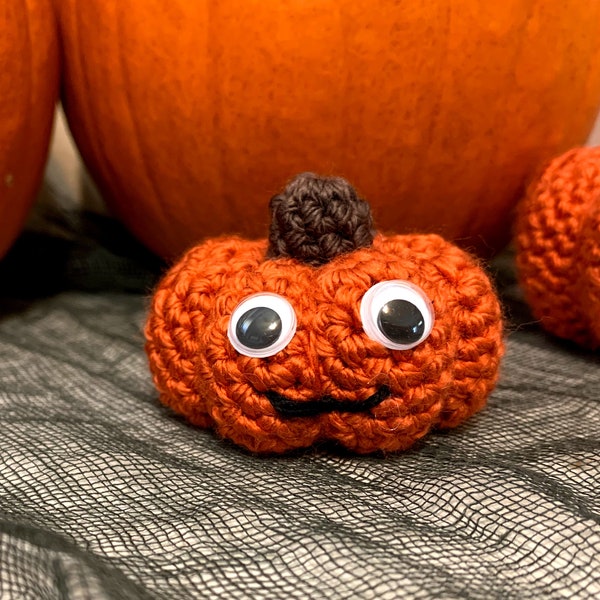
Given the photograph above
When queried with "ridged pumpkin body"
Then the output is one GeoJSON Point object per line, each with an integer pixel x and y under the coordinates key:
{"type": "Point", "coordinates": [190, 114]}
{"type": "Point", "coordinates": [29, 76]}
{"type": "Point", "coordinates": [440, 383]}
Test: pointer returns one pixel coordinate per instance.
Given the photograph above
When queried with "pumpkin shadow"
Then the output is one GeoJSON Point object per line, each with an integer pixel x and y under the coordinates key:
{"type": "Point", "coordinates": [503, 272]}
{"type": "Point", "coordinates": [78, 251]}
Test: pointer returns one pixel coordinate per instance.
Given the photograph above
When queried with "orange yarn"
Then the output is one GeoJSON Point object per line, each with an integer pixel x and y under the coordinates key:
{"type": "Point", "coordinates": [330, 359]}
{"type": "Point", "coordinates": [558, 246]}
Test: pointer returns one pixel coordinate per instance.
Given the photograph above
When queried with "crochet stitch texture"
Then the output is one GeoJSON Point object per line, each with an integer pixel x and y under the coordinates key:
{"type": "Point", "coordinates": [557, 240]}
{"type": "Point", "coordinates": [330, 362]}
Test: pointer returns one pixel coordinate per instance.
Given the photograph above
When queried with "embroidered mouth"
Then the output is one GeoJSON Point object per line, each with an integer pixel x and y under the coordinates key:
{"type": "Point", "coordinates": [309, 408]}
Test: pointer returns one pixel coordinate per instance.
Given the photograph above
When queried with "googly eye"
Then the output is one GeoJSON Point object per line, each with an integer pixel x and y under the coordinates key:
{"type": "Point", "coordinates": [397, 314]}
{"type": "Point", "coordinates": [262, 325]}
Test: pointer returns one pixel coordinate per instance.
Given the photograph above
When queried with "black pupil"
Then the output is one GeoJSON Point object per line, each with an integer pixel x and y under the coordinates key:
{"type": "Point", "coordinates": [401, 322]}
{"type": "Point", "coordinates": [258, 328]}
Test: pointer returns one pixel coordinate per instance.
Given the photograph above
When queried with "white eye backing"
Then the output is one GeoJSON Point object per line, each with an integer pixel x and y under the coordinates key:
{"type": "Point", "coordinates": [262, 325]}
{"type": "Point", "coordinates": [397, 314]}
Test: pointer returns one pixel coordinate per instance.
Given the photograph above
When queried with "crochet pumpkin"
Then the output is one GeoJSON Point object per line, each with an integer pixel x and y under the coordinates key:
{"type": "Point", "coordinates": [558, 246]}
{"type": "Point", "coordinates": [327, 331]}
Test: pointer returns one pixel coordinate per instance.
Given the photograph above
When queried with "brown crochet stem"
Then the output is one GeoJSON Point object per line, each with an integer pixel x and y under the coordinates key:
{"type": "Point", "coordinates": [315, 219]}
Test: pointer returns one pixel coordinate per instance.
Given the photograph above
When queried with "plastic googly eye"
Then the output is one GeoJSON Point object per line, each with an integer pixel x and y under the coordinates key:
{"type": "Point", "coordinates": [397, 314]}
{"type": "Point", "coordinates": [262, 325]}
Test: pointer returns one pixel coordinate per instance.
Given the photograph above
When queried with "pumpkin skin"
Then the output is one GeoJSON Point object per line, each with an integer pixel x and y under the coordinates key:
{"type": "Point", "coordinates": [189, 114]}
{"type": "Point", "coordinates": [29, 79]}
{"type": "Point", "coordinates": [439, 383]}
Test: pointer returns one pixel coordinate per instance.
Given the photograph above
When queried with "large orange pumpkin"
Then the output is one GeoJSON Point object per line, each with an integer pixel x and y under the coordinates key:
{"type": "Point", "coordinates": [189, 114]}
{"type": "Point", "coordinates": [29, 77]}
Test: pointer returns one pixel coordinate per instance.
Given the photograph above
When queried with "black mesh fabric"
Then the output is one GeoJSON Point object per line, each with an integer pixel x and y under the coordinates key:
{"type": "Point", "coordinates": [106, 494]}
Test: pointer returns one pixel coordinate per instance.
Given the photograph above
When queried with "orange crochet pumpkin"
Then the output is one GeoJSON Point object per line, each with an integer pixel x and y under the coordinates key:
{"type": "Point", "coordinates": [29, 75]}
{"type": "Point", "coordinates": [190, 114]}
{"type": "Point", "coordinates": [325, 332]}
{"type": "Point", "coordinates": [558, 246]}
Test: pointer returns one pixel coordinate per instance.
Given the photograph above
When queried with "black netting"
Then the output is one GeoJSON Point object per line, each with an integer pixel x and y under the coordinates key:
{"type": "Point", "coordinates": [105, 494]}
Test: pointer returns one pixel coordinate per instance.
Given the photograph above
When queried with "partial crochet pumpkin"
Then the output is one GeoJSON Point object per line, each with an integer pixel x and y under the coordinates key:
{"type": "Point", "coordinates": [558, 246]}
{"type": "Point", "coordinates": [327, 331]}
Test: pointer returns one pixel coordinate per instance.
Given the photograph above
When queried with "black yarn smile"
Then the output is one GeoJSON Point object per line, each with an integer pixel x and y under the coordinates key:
{"type": "Point", "coordinates": [293, 408]}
